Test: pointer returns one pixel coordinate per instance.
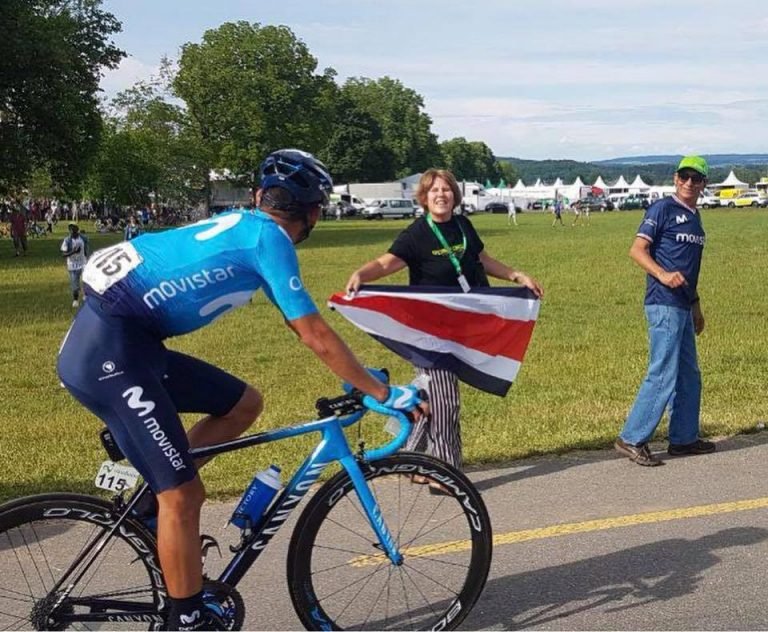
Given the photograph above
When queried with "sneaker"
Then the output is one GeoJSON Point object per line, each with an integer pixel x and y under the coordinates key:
{"type": "Point", "coordinates": [640, 454]}
{"type": "Point", "coordinates": [689, 449]}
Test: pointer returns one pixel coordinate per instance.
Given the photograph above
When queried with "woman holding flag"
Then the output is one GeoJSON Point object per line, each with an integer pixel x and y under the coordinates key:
{"type": "Point", "coordinates": [441, 250]}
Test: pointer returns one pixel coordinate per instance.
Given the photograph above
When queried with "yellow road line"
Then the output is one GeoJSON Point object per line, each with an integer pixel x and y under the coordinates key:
{"type": "Point", "coordinates": [586, 526]}
{"type": "Point", "coordinates": [629, 521]}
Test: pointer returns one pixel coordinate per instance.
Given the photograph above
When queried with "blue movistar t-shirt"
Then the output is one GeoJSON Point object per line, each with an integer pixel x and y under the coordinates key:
{"type": "Point", "coordinates": [677, 241]}
{"type": "Point", "coordinates": [180, 280]}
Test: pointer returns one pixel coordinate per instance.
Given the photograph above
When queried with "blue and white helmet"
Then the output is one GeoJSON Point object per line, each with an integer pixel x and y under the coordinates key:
{"type": "Point", "coordinates": [300, 173]}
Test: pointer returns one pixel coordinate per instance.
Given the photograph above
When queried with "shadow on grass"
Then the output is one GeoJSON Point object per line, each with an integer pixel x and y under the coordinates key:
{"type": "Point", "coordinates": [615, 582]}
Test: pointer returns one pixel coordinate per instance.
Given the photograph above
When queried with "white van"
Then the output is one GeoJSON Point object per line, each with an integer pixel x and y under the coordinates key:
{"type": "Point", "coordinates": [389, 207]}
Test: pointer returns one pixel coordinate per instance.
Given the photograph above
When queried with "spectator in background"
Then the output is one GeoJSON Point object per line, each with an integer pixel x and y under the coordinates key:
{"type": "Point", "coordinates": [19, 231]}
{"type": "Point", "coordinates": [75, 249]}
{"type": "Point", "coordinates": [132, 229]}
{"type": "Point", "coordinates": [441, 248]}
{"type": "Point", "coordinates": [668, 246]}
{"type": "Point", "coordinates": [557, 210]}
{"type": "Point", "coordinates": [512, 213]}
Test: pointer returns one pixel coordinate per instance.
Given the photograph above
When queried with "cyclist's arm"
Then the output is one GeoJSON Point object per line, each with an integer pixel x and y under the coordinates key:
{"type": "Point", "coordinates": [325, 342]}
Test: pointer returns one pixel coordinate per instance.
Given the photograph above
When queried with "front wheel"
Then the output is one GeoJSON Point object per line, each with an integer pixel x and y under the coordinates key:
{"type": "Point", "coordinates": [339, 577]}
{"type": "Point", "coordinates": [40, 538]}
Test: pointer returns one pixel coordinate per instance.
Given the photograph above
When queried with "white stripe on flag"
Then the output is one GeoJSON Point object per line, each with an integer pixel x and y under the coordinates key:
{"type": "Point", "coordinates": [383, 325]}
{"type": "Point", "coordinates": [508, 307]}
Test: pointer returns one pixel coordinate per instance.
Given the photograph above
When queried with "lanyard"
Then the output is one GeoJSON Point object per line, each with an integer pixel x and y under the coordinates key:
{"type": "Point", "coordinates": [444, 243]}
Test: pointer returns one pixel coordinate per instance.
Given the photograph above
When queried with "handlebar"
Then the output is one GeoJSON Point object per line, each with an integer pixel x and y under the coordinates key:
{"type": "Point", "coordinates": [349, 409]}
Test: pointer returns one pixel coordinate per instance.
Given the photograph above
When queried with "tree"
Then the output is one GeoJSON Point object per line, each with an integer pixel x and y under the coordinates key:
{"type": "Point", "coordinates": [406, 128]}
{"type": "Point", "coordinates": [162, 132]}
{"type": "Point", "coordinates": [50, 69]}
{"type": "Point", "coordinates": [355, 151]}
{"type": "Point", "coordinates": [470, 160]}
{"type": "Point", "coordinates": [250, 90]}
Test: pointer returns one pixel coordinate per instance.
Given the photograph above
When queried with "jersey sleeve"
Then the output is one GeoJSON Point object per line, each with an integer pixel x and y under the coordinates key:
{"type": "Point", "coordinates": [652, 222]}
{"type": "Point", "coordinates": [278, 266]}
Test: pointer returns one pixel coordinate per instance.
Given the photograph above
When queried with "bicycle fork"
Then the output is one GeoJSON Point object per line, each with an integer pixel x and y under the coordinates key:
{"type": "Point", "coordinates": [372, 509]}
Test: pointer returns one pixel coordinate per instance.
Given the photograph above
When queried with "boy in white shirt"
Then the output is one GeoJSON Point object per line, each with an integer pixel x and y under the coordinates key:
{"type": "Point", "coordinates": [75, 249]}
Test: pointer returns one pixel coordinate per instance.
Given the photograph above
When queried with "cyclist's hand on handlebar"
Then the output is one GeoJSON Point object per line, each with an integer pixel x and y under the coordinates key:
{"type": "Point", "coordinates": [408, 399]}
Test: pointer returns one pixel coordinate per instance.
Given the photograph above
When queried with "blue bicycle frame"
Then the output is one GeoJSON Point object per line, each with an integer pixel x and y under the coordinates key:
{"type": "Point", "coordinates": [333, 446]}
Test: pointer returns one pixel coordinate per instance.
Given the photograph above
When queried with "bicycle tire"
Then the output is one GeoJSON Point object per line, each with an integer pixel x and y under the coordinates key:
{"type": "Point", "coordinates": [40, 537]}
{"type": "Point", "coordinates": [337, 571]}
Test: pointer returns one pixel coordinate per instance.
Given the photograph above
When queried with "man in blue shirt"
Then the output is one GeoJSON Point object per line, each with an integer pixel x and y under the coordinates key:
{"type": "Point", "coordinates": [158, 285]}
{"type": "Point", "coordinates": [668, 246]}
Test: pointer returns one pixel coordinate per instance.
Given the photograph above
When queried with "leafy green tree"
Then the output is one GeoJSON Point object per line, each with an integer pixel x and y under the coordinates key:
{"type": "Point", "coordinates": [168, 139]}
{"type": "Point", "coordinates": [53, 52]}
{"type": "Point", "coordinates": [470, 160]}
{"type": "Point", "coordinates": [405, 126]}
{"type": "Point", "coordinates": [251, 89]}
{"type": "Point", "coordinates": [355, 151]}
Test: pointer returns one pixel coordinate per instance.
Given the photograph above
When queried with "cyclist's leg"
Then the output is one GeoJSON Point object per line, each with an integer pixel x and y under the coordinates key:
{"type": "Point", "coordinates": [196, 386]}
{"type": "Point", "coordinates": [116, 370]}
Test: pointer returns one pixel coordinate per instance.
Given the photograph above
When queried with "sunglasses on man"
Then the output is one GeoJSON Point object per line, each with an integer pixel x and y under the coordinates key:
{"type": "Point", "coordinates": [693, 176]}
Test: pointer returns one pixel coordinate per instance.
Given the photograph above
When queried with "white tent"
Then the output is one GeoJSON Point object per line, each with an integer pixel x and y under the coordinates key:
{"type": "Point", "coordinates": [620, 185]}
{"type": "Point", "coordinates": [731, 182]}
{"type": "Point", "coordinates": [558, 183]}
{"type": "Point", "coordinates": [638, 184]}
{"type": "Point", "coordinates": [578, 182]}
{"type": "Point", "coordinates": [600, 183]}
{"type": "Point", "coordinates": [520, 186]}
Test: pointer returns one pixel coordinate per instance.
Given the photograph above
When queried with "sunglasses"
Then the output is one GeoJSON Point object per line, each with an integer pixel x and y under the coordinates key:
{"type": "Point", "coordinates": [694, 177]}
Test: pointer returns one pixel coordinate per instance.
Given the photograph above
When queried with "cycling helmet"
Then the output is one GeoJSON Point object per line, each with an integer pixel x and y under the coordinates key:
{"type": "Point", "coordinates": [300, 173]}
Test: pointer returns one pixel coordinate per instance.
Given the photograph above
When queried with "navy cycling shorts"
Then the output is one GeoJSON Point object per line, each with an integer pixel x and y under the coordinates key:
{"type": "Point", "coordinates": [123, 373]}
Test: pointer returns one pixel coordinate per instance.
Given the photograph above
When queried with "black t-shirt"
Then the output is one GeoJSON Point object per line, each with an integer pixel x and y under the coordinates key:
{"type": "Point", "coordinates": [427, 259]}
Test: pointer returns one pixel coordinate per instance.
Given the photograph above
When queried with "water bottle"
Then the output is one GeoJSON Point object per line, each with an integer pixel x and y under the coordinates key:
{"type": "Point", "coordinates": [257, 497]}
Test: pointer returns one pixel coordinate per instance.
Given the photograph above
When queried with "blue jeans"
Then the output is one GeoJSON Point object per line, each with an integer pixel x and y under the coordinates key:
{"type": "Point", "coordinates": [673, 379]}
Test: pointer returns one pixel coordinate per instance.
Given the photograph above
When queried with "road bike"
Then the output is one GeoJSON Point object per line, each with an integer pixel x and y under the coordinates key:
{"type": "Point", "coordinates": [372, 549]}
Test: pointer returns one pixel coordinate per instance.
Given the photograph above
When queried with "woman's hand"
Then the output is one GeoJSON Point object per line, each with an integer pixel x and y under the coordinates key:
{"type": "Point", "coordinates": [354, 283]}
{"type": "Point", "coordinates": [529, 282]}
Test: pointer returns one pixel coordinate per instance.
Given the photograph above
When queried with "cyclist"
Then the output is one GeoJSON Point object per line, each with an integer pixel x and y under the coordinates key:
{"type": "Point", "coordinates": [159, 285]}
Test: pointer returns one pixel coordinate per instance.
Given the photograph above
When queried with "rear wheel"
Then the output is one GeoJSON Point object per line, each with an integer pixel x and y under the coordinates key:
{"type": "Point", "coordinates": [40, 538]}
{"type": "Point", "coordinates": [338, 576]}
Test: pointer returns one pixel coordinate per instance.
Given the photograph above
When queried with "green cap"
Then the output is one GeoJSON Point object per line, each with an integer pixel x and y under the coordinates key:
{"type": "Point", "coordinates": [697, 163]}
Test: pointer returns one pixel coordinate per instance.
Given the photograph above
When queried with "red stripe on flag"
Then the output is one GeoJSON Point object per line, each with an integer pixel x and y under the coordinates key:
{"type": "Point", "coordinates": [484, 332]}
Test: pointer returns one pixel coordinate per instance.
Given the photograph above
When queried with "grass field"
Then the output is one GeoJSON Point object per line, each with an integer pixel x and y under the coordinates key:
{"type": "Point", "coordinates": [584, 364]}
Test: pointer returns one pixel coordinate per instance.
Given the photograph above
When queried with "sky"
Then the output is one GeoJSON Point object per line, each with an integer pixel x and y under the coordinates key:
{"type": "Point", "coordinates": [552, 79]}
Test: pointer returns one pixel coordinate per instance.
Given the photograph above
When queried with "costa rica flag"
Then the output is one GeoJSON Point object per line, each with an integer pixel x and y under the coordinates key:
{"type": "Point", "coordinates": [481, 335]}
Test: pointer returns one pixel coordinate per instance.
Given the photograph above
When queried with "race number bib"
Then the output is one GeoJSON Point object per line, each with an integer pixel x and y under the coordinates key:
{"type": "Point", "coordinates": [110, 265]}
{"type": "Point", "coordinates": [115, 477]}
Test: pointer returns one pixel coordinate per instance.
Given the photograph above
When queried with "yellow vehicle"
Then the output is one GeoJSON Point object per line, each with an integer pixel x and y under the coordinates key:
{"type": "Point", "coordinates": [748, 198]}
{"type": "Point", "coordinates": [728, 194]}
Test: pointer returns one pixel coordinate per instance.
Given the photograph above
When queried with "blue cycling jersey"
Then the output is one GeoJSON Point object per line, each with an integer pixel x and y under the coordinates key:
{"type": "Point", "coordinates": [677, 240]}
{"type": "Point", "coordinates": [180, 280]}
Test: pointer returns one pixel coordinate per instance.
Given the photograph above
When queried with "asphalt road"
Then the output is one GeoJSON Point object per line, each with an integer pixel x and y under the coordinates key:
{"type": "Point", "coordinates": [589, 541]}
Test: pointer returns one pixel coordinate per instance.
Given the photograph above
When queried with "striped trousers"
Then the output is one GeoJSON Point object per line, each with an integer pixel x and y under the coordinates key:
{"type": "Point", "coordinates": [440, 434]}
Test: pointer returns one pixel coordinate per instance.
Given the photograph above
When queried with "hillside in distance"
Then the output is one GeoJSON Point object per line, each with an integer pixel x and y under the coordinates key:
{"type": "Point", "coordinates": [653, 169]}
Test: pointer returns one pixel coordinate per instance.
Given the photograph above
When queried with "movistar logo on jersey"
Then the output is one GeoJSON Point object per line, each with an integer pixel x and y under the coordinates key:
{"type": "Point", "coordinates": [690, 239]}
{"type": "Point", "coordinates": [169, 289]}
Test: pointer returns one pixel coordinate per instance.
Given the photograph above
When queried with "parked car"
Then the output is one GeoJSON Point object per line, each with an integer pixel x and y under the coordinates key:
{"type": "Point", "coordinates": [748, 198]}
{"type": "Point", "coordinates": [631, 202]}
{"type": "Point", "coordinates": [593, 204]}
{"type": "Point", "coordinates": [389, 207]}
{"type": "Point", "coordinates": [708, 200]}
{"type": "Point", "coordinates": [497, 207]}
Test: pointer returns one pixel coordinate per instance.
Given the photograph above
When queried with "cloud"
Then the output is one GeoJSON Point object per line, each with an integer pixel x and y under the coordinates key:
{"type": "Point", "coordinates": [130, 71]}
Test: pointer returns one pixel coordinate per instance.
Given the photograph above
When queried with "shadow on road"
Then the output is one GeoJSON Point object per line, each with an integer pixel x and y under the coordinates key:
{"type": "Point", "coordinates": [630, 578]}
{"type": "Point", "coordinates": [544, 465]}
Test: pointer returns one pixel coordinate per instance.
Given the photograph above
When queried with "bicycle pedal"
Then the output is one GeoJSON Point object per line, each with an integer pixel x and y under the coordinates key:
{"type": "Point", "coordinates": [207, 543]}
